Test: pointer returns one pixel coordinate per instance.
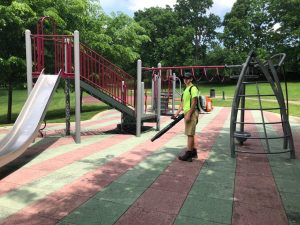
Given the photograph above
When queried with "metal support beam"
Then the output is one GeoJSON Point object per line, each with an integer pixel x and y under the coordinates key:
{"type": "Point", "coordinates": [173, 92]}
{"type": "Point", "coordinates": [158, 98]}
{"type": "Point", "coordinates": [77, 86]}
{"type": "Point", "coordinates": [28, 60]}
{"type": "Point", "coordinates": [139, 98]}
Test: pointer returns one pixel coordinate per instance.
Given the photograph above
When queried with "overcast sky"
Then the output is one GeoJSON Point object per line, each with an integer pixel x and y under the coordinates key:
{"type": "Point", "coordinates": [219, 8]}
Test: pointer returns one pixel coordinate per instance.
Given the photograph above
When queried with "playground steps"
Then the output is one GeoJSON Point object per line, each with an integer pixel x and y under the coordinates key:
{"type": "Point", "coordinates": [165, 98]}
{"type": "Point", "coordinates": [111, 101]}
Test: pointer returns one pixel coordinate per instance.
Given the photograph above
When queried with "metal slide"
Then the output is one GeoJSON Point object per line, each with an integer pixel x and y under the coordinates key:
{"type": "Point", "coordinates": [29, 120]}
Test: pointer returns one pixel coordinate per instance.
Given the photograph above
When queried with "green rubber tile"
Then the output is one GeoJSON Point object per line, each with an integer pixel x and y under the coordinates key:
{"type": "Point", "coordinates": [88, 128]}
{"type": "Point", "coordinates": [288, 185]}
{"type": "Point", "coordinates": [18, 199]}
{"type": "Point", "coordinates": [4, 211]}
{"type": "Point", "coordinates": [286, 171]}
{"type": "Point", "coordinates": [52, 181]}
{"type": "Point", "coordinates": [96, 212]}
{"type": "Point", "coordinates": [158, 161]}
{"type": "Point", "coordinates": [38, 189]}
{"type": "Point", "coordinates": [216, 175]}
{"type": "Point", "coordinates": [216, 190]}
{"type": "Point", "coordinates": [120, 193]}
{"type": "Point", "coordinates": [140, 177]}
{"type": "Point", "coordinates": [127, 188]}
{"type": "Point", "coordinates": [99, 125]}
{"type": "Point", "coordinates": [283, 160]}
{"type": "Point", "coordinates": [292, 206]}
{"type": "Point", "coordinates": [206, 209]}
{"type": "Point", "coordinates": [183, 220]}
{"type": "Point", "coordinates": [292, 201]}
{"type": "Point", "coordinates": [51, 153]}
{"type": "Point", "coordinates": [220, 165]}
{"type": "Point", "coordinates": [148, 170]}
{"type": "Point", "coordinates": [216, 156]}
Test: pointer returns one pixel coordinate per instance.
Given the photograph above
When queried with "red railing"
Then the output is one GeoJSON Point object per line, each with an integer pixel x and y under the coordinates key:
{"type": "Point", "coordinates": [207, 73]}
{"type": "Point", "coordinates": [99, 72]}
{"type": "Point", "coordinates": [94, 69]}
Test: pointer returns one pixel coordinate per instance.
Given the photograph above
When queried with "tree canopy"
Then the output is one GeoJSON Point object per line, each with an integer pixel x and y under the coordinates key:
{"type": "Point", "coordinates": [183, 34]}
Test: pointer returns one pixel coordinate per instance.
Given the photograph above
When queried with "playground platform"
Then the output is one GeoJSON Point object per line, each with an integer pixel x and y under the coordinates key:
{"type": "Point", "coordinates": [114, 178]}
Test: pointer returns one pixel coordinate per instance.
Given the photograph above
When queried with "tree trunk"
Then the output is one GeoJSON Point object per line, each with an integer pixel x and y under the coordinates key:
{"type": "Point", "coordinates": [9, 103]}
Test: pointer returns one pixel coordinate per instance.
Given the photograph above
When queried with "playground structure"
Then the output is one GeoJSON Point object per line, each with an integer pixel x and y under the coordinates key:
{"type": "Point", "coordinates": [100, 78]}
{"type": "Point", "coordinates": [27, 125]}
{"type": "Point", "coordinates": [167, 80]}
{"type": "Point", "coordinates": [94, 74]}
{"type": "Point", "coordinates": [255, 72]}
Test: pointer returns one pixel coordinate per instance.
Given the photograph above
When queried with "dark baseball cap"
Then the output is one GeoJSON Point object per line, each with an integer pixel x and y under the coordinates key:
{"type": "Point", "coordinates": [187, 75]}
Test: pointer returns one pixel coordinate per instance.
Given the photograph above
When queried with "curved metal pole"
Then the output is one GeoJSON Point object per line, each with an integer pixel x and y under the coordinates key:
{"type": "Point", "coordinates": [235, 103]}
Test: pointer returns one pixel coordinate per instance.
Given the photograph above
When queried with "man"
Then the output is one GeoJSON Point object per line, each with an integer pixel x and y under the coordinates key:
{"type": "Point", "coordinates": [188, 105]}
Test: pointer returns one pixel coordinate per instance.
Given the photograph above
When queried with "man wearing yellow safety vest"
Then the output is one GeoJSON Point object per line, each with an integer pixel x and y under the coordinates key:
{"type": "Point", "coordinates": [188, 106]}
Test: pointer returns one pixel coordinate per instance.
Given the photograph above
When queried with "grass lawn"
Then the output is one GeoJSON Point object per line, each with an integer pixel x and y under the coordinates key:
{"type": "Point", "coordinates": [56, 111]}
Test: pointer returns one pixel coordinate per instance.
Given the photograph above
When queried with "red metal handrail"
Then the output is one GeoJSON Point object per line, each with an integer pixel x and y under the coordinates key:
{"type": "Point", "coordinates": [101, 73]}
{"type": "Point", "coordinates": [94, 68]}
{"type": "Point", "coordinates": [214, 75]}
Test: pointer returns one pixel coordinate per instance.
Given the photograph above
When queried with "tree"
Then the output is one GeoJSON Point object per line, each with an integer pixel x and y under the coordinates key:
{"type": "Point", "coordinates": [14, 18]}
{"type": "Point", "coordinates": [171, 43]}
{"type": "Point", "coordinates": [269, 27]}
{"type": "Point", "coordinates": [126, 39]}
{"type": "Point", "coordinates": [246, 26]}
{"type": "Point", "coordinates": [194, 13]}
{"type": "Point", "coordinates": [286, 37]}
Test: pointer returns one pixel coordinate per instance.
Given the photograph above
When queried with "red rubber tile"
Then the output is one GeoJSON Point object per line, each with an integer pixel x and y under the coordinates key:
{"type": "Point", "coordinates": [160, 201]}
{"type": "Point", "coordinates": [26, 175]}
{"type": "Point", "coordinates": [278, 129]}
{"type": "Point", "coordinates": [258, 197]}
{"type": "Point", "coordinates": [160, 197]}
{"type": "Point", "coordinates": [244, 214]}
{"type": "Point", "coordinates": [257, 200]}
{"type": "Point", "coordinates": [80, 186]}
{"type": "Point", "coordinates": [57, 205]}
{"type": "Point", "coordinates": [181, 185]}
{"type": "Point", "coordinates": [177, 168]}
{"type": "Point", "coordinates": [138, 216]}
{"type": "Point", "coordinates": [22, 176]}
{"type": "Point", "coordinates": [29, 219]}
{"type": "Point", "coordinates": [253, 164]}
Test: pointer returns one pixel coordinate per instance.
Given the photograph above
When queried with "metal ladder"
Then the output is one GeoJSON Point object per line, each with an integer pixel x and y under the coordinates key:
{"type": "Point", "coordinates": [246, 77]}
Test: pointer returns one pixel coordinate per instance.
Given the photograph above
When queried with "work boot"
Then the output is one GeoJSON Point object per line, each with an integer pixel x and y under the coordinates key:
{"type": "Point", "coordinates": [188, 156]}
{"type": "Point", "coordinates": [194, 153]}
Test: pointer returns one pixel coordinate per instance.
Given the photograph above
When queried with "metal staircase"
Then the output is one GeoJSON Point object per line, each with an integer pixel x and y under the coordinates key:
{"type": "Point", "coordinates": [98, 76]}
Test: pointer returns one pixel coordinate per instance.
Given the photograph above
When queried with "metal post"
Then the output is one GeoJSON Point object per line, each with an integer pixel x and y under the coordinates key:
{"type": "Point", "coordinates": [158, 97]}
{"type": "Point", "coordinates": [123, 102]}
{"type": "Point", "coordinates": [28, 60]}
{"type": "Point", "coordinates": [139, 99]}
{"type": "Point", "coordinates": [243, 101]}
{"type": "Point", "coordinates": [77, 86]}
{"type": "Point", "coordinates": [67, 89]}
{"type": "Point", "coordinates": [143, 97]}
{"type": "Point", "coordinates": [153, 92]}
{"type": "Point", "coordinates": [173, 92]}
